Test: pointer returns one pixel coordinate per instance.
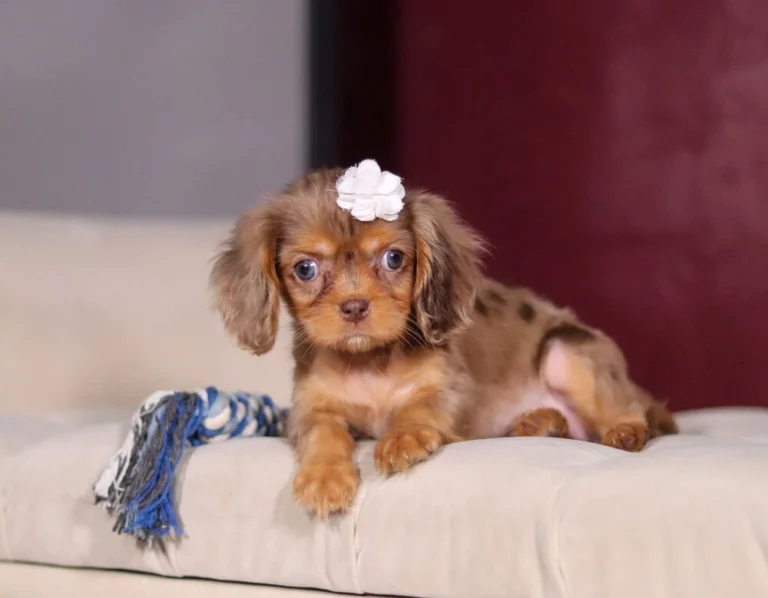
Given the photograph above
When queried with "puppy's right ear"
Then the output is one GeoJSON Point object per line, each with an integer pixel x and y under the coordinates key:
{"type": "Point", "coordinates": [244, 279]}
{"type": "Point", "coordinates": [448, 272]}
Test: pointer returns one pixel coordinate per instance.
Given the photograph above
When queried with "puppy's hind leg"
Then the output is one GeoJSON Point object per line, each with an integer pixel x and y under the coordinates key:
{"type": "Point", "coordinates": [588, 368]}
{"type": "Point", "coordinates": [545, 421]}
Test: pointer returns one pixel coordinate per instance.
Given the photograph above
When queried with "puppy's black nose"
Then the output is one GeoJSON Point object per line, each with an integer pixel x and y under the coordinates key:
{"type": "Point", "coordinates": [355, 310]}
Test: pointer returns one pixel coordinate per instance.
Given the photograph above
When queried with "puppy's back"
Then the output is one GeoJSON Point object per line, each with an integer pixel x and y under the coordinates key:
{"type": "Point", "coordinates": [508, 325]}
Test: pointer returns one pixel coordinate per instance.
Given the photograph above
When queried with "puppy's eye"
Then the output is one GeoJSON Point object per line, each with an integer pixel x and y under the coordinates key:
{"type": "Point", "coordinates": [306, 270]}
{"type": "Point", "coordinates": [392, 260]}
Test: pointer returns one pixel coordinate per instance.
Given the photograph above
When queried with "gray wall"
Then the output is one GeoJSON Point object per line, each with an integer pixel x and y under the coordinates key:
{"type": "Point", "coordinates": [150, 107]}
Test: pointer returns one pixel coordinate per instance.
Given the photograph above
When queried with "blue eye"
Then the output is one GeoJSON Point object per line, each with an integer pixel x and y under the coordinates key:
{"type": "Point", "coordinates": [306, 270]}
{"type": "Point", "coordinates": [393, 260]}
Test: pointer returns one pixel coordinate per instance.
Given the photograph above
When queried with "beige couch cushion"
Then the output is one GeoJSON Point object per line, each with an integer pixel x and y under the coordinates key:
{"type": "Point", "coordinates": [511, 517]}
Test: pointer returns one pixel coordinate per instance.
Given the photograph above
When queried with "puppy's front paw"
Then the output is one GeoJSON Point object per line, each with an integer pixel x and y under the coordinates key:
{"type": "Point", "coordinates": [326, 487]}
{"type": "Point", "coordinates": [627, 437]}
{"type": "Point", "coordinates": [399, 449]}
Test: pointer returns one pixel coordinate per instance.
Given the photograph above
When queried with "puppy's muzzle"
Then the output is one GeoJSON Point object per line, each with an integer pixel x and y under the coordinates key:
{"type": "Point", "coordinates": [355, 310]}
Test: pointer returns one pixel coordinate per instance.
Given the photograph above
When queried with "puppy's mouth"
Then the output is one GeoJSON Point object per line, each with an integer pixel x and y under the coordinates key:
{"type": "Point", "coordinates": [356, 341]}
{"type": "Point", "coordinates": [349, 337]}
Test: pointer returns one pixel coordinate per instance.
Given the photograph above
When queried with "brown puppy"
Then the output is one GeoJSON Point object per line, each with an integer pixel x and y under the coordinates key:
{"type": "Point", "coordinates": [398, 337]}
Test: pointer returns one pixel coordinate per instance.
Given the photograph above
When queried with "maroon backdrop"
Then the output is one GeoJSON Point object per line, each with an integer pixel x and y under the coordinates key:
{"type": "Point", "coordinates": [615, 154]}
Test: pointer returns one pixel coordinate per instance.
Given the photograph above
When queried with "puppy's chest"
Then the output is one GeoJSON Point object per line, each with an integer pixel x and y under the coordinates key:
{"type": "Point", "coordinates": [371, 391]}
{"type": "Point", "coordinates": [373, 398]}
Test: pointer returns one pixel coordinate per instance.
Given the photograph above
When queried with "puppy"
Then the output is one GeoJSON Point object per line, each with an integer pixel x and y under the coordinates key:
{"type": "Point", "coordinates": [398, 337]}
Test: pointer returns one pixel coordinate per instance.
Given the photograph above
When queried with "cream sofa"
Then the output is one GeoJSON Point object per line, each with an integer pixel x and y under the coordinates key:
{"type": "Point", "coordinates": [95, 314]}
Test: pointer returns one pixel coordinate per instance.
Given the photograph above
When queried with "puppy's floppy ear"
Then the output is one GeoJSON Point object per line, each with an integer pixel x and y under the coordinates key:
{"type": "Point", "coordinates": [448, 254]}
{"type": "Point", "coordinates": [244, 279]}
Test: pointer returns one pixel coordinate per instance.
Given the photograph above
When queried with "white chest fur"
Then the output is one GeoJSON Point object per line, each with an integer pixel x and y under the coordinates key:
{"type": "Point", "coordinates": [378, 396]}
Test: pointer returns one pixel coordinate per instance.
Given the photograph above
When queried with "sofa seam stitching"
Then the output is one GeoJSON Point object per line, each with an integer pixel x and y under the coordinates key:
{"type": "Point", "coordinates": [555, 533]}
{"type": "Point", "coordinates": [4, 517]}
{"type": "Point", "coordinates": [358, 505]}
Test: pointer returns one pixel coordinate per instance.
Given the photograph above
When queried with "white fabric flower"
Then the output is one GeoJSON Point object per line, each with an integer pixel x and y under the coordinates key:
{"type": "Point", "coordinates": [368, 193]}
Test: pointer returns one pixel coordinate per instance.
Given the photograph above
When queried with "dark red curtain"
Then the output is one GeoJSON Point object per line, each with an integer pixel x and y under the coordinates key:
{"type": "Point", "coordinates": [615, 152]}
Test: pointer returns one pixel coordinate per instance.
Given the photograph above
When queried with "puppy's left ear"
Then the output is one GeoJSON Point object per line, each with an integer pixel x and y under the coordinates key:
{"type": "Point", "coordinates": [448, 257]}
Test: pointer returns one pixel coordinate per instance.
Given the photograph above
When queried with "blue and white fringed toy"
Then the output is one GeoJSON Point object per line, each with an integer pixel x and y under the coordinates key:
{"type": "Point", "coordinates": [137, 485]}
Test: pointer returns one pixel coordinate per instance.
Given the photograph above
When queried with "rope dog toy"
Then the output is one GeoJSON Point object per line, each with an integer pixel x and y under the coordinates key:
{"type": "Point", "coordinates": [137, 485]}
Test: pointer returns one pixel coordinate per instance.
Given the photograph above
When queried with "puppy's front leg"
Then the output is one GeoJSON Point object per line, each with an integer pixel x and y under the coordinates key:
{"type": "Point", "coordinates": [327, 479]}
{"type": "Point", "coordinates": [419, 429]}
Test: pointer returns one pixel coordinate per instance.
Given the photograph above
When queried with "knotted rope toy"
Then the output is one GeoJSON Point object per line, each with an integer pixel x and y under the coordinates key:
{"type": "Point", "coordinates": [137, 485]}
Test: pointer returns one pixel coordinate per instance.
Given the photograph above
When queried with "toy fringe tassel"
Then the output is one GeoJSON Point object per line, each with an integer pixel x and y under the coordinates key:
{"type": "Point", "coordinates": [137, 485]}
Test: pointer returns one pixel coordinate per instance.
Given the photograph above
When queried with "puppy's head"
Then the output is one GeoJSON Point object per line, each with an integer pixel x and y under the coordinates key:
{"type": "Point", "coordinates": [351, 286]}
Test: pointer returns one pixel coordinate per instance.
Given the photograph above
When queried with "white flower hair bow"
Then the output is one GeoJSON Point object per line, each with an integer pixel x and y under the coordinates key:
{"type": "Point", "coordinates": [368, 193]}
